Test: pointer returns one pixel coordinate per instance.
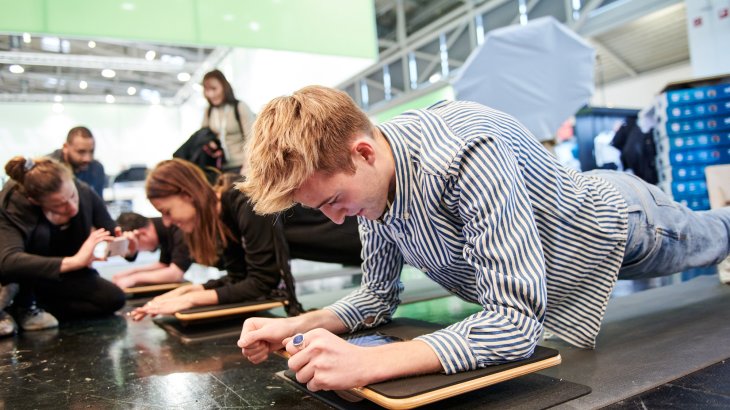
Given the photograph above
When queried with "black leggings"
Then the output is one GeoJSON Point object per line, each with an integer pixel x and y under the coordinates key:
{"type": "Point", "coordinates": [77, 295]}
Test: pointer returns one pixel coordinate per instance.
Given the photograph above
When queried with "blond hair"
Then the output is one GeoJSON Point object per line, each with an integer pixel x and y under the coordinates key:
{"type": "Point", "coordinates": [294, 137]}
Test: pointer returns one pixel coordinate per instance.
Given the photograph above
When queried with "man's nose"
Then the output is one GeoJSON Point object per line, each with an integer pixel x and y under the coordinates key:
{"type": "Point", "coordinates": [335, 215]}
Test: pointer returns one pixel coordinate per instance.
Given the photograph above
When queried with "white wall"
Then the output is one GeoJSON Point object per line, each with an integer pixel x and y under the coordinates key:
{"type": "Point", "coordinates": [639, 91]}
{"type": "Point", "coordinates": [125, 134]}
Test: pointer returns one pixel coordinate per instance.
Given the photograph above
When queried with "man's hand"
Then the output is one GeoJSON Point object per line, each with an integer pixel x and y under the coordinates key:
{"type": "Point", "coordinates": [261, 336]}
{"type": "Point", "coordinates": [324, 361]}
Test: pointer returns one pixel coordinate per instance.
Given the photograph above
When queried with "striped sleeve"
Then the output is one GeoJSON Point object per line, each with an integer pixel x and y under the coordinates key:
{"type": "Point", "coordinates": [376, 300]}
{"type": "Point", "coordinates": [503, 247]}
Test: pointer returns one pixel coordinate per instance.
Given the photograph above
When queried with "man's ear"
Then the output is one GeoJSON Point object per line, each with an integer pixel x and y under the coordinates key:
{"type": "Point", "coordinates": [364, 148]}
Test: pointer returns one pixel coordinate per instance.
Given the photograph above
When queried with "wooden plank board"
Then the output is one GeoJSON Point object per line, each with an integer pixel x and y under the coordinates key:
{"type": "Point", "coordinates": [190, 315]}
{"type": "Point", "coordinates": [158, 288]}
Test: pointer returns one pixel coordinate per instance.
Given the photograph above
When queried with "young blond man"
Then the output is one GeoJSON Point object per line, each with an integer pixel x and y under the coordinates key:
{"type": "Point", "coordinates": [467, 195]}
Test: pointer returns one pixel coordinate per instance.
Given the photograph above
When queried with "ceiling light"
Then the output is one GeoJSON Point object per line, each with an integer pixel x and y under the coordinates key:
{"type": "Point", "coordinates": [152, 96]}
{"type": "Point", "coordinates": [110, 99]}
{"type": "Point", "coordinates": [83, 84]}
{"type": "Point", "coordinates": [108, 73]}
{"type": "Point", "coordinates": [150, 55]}
{"type": "Point", "coordinates": [57, 108]}
{"type": "Point", "coordinates": [131, 91]}
{"type": "Point", "coordinates": [434, 78]}
{"type": "Point", "coordinates": [92, 43]}
{"type": "Point", "coordinates": [52, 44]}
{"type": "Point", "coordinates": [127, 6]}
{"type": "Point", "coordinates": [254, 26]}
{"type": "Point", "coordinates": [16, 69]}
{"type": "Point", "coordinates": [183, 77]}
{"type": "Point", "coordinates": [58, 98]}
{"type": "Point", "coordinates": [177, 60]}
{"type": "Point", "coordinates": [26, 38]}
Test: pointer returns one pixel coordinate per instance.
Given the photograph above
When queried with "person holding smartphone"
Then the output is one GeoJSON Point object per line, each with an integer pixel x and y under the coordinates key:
{"type": "Point", "coordinates": [50, 224]}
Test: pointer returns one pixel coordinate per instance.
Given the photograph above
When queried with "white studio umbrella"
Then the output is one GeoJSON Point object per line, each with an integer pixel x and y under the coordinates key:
{"type": "Point", "coordinates": [540, 73]}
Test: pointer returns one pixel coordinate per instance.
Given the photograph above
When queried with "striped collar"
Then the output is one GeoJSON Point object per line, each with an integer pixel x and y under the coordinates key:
{"type": "Point", "coordinates": [403, 174]}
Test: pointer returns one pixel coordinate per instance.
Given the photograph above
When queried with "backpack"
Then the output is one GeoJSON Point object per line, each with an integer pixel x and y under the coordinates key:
{"type": "Point", "coordinates": [203, 149]}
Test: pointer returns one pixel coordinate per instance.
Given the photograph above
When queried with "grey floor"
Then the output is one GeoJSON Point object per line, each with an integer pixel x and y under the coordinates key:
{"type": "Point", "coordinates": [660, 348]}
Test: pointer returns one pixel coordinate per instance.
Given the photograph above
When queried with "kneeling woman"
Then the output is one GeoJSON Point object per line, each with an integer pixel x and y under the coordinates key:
{"type": "Point", "coordinates": [222, 230]}
{"type": "Point", "coordinates": [49, 226]}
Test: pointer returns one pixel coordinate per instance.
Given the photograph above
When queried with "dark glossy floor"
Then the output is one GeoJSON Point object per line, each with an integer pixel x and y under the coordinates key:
{"type": "Point", "coordinates": [708, 388]}
{"type": "Point", "coordinates": [116, 363]}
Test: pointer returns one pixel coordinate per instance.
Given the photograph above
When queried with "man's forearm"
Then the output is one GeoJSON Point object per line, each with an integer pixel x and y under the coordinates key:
{"type": "Point", "coordinates": [401, 359]}
{"type": "Point", "coordinates": [319, 319]}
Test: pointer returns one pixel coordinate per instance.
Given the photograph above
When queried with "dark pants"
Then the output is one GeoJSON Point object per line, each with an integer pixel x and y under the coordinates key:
{"type": "Point", "coordinates": [77, 295]}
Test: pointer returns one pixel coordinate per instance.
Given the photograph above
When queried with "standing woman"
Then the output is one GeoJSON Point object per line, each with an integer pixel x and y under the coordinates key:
{"type": "Point", "coordinates": [49, 226]}
{"type": "Point", "coordinates": [229, 118]}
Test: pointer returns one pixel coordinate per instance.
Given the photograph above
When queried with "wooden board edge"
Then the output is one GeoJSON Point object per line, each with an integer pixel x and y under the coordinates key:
{"type": "Point", "coordinates": [153, 288]}
{"type": "Point", "coordinates": [451, 391]}
{"type": "Point", "coordinates": [187, 317]}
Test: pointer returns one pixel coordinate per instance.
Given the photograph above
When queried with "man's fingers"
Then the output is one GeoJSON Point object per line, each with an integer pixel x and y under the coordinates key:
{"type": "Point", "coordinates": [305, 374]}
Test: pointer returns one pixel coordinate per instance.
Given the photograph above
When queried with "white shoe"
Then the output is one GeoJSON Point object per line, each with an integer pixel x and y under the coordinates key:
{"type": "Point", "coordinates": [723, 271]}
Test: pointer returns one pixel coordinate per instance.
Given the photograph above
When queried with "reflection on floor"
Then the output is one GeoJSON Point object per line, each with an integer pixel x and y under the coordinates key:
{"type": "Point", "coordinates": [116, 363]}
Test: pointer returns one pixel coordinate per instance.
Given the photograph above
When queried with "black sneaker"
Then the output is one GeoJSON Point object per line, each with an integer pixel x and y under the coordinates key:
{"type": "Point", "coordinates": [35, 318]}
{"type": "Point", "coordinates": [7, 324]}
{"type": "Point", "coordinates": [7, 294]}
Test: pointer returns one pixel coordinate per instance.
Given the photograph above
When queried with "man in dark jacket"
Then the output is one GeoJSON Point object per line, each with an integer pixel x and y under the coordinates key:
{"type": "Point", "coordinates": [78, 153]}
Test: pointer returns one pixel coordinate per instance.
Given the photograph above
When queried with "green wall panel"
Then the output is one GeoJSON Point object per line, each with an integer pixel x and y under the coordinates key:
{"type": "Point", "coordinates": [331, 27]}
{"type": "Point", "coordinates": [21, 16]}
{"type": "Point", "coordinates": [159, 20]}
{"type": "Point", "coordinates": [445, 93]}
{"type": "Point", "coordinates": [334, 27]}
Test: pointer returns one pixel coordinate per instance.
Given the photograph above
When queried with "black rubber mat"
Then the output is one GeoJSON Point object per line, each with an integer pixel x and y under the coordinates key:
{"type": "Point", "coordinates": [648, 339]}
{"type": "Point", "coordinates": [532, 391]}
{"type": "Point", "coordinates": [204, 330]}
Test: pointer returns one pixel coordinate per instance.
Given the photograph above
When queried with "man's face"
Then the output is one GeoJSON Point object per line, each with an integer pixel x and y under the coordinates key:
{"type": "Point", "coordinates": [79, 152]}
{"type": "Point", "coordinates": [337, 196]}
{"type": "Point", "coordinates": [147, 238]}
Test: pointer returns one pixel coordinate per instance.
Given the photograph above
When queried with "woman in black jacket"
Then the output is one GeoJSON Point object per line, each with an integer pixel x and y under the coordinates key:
{"type": "Point", "coordinates": [222, 230]}
{"type": "Point", "coordinates": [50, 224]}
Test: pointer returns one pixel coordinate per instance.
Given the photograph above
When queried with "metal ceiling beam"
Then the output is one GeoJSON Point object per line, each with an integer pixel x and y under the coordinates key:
{"type": "Point", "coordinates": [585, 13]}
{"type": "Point", "coordinates": [75, 98]}
{"type": "Point", "coordinates": [617, 14]}
{"type": "Point", "coordinates": [92, 62]}
{"type": "Point", "coordinates": [605, 51]}
{"type": "Point", "coordinates": [531, 5]}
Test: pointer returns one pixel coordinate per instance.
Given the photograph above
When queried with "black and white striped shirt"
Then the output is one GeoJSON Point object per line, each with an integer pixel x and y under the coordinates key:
{"type": "Point", "coordinates": [484, 210]}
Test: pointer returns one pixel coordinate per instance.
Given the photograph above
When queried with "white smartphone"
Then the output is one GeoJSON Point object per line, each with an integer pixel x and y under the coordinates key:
{"type": "Point", "coordinates": [116, 247]}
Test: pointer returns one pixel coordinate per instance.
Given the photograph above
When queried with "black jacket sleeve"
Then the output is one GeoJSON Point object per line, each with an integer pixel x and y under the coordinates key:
{"type": "Point", "coordinates": [179, 253]}
{"type": "Point", "coordinates": [19, 220]}
{"type": "Point", "coordinates": [100, 215]}
{"type": "Point", "coordinates": [252, 264]}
